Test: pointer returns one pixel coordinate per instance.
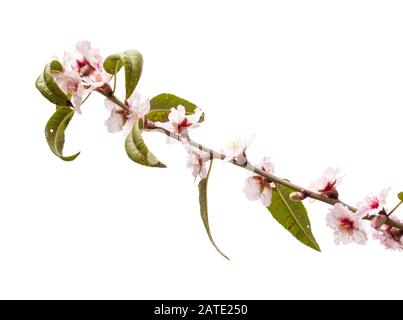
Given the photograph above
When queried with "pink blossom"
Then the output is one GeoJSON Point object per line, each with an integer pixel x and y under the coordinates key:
{"type": "Point", "coordinates": [387, 240]}
{"type": "Point", "coordinates": [85, 57]}
{"type": "Point", "coordinates": [266, 165]}
{"type": "Point", "coordinates": [82, 73]}
{"type": "Point", "coordinates": [346, 225]}
{"type": "Point", "coordinates": [328, 182]}
{"type": "Point", "coordinates": [390, 237]}
{"type": "Point", "coordinates": [121, 120]}
{"type": "Point", "coordinates": [257, 187]}
{"type": "Point", "coordinates": [71, 84]}
{"type": "Point", "coordinates": [87, 62]}
{"type": "Point", "coordinates": [378, 221]}
{"type": "Point", "coordinates": [178, 122]}
{"type": "Point", "coordinates": [373, 204]}
{"type": "Point", "coordinates": [236, 149]}
{"type": "Point", "coordinates": [196, 161]}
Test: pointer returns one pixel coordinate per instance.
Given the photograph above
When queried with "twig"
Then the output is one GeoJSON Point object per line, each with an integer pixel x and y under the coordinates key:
{"type": "Point", "coordinates": [248, 166]}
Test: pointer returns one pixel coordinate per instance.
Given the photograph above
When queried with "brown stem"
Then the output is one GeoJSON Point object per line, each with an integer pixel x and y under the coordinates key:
{"type": "Point", "coordinates": [394, 209]}
{"type": "Point", "coordinates": [114, 100]}
{"type": "Point", "coordinates": [248, 166]}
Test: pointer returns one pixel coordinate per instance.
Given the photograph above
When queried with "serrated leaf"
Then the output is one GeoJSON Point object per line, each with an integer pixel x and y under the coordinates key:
{"type": "Point", "coordinates": [54, 131]}
{"type": "Point", "coordinates": [48, 87]}
{"type": "Point", "coordinates": [160, 107]}
{"type": "Point", "coordinates": [132, 60]}
{"type": "Point", "coordinates": [204, 211]}
{"type": "Point", "coordinates": [292, 215]}
{"type": "Point", "coordinates": [138, 151]}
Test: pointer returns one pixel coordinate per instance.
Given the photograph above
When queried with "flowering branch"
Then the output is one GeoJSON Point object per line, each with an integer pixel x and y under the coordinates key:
{"type": "Point", "coordinates": [69, 84]}
{"type": "Point", "coordinates": [270, 177]}
{"type": "Point", "coordinates": [248, 166]}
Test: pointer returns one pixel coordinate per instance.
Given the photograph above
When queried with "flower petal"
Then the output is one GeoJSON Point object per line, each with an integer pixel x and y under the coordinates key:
{"type": "Point", "coordinates": [265, 196]}
{"type": "Point", "coordinates": [252, 189]}
{"type": "Point", "coordinates": [114, 122]}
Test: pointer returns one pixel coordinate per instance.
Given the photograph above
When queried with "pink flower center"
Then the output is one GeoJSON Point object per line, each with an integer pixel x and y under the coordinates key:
{"type": "Point", "coordinates": [347, 225]}
{"type": "Point", "coordinates": [328, 187]}
{"type": "Point", "coordinates": [84, 68]}
{"type": "Point", "coordinates": [373, 203]}
{"type": "Point", "coordinates": [82, 63]}
{"type": "Point", "coordinates": [184, 124]}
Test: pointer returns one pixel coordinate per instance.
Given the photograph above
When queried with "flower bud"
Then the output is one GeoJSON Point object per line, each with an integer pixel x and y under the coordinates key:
{"type": "Point", "coordinates": [297, 196]}
{"type": "Point", "coordinates": [378, 221]}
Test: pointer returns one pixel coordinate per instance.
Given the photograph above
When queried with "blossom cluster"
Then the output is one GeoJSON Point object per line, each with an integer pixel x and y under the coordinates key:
{"type": "Point", "coordinates": [83, 73]}
{"type": "Point", "coordinates": [346, 222]}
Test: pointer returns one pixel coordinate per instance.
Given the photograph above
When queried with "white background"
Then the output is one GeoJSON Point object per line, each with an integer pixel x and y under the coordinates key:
{"type": "Point", "coordinates": [319, 82]}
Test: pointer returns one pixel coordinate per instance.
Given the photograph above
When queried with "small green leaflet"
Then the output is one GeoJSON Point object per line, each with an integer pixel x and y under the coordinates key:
{"type": "Point", "coordinates": [54, 131]}
{"type": "Point", "coordinates": [113, 63]}
{"type": "Point", "coordinates": [400, 196]}
{"type": "Point", "coordinates": [203, 208]}
{"type": "Point", "coordinates": [48, 87]}
{"type": "Point", "coordinates": [132, 60]}
{"type": "Point", "coordinates": [292, 215]}
{"type": "Point", "coordinates": [138, 151]}
{"type": "Point", "coordinates": [160, 107]}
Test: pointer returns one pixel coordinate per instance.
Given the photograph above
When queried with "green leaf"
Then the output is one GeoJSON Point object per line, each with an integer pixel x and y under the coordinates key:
{"type": "Point", "coordinates": [138, 151]}
{"type": "Point", "coordinates": [203, 208]}
{"type": "Point", "coordinates": [113, 63]}
{"type": "Point", "coordinates": [292, 215]}
{"type": "Point", "coordinates": [54, 131]}
{"type": "Point", "coordinates": [132, 60]}
{"type": "Point", "coordinates": [160, 107]}
{"type": "Point", "coordinates": [133, 64]}
{"type": "Point", "coordinates": [400, 196]}
{"type": "Point", "coordinates": [48, 87]}
{"type": "Point", "coordinates": [44, 90]}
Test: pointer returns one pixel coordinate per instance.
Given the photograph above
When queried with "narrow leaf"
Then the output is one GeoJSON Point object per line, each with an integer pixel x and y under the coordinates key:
{"type": "Point", "coordinates": [132, 60]}
{"type": "Point", "coordinates": [54, 131]}
{"type": "Point", "coordinates": [160, 107]}
{"type": "Point", "coordinates": [54, 66]}
{"type": "Point", "coordinates": [48, 87]}
{"type": "Point", "coordinates": [133, 64]}
{"type": "Point", "coordinates": [44, 90]}
{"type": "Point", "coordinates": [203, 208]}
{"type": "Point", "coordinates": [292, 215]}
{"type": "Point", "coordinates": [138, 151]}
